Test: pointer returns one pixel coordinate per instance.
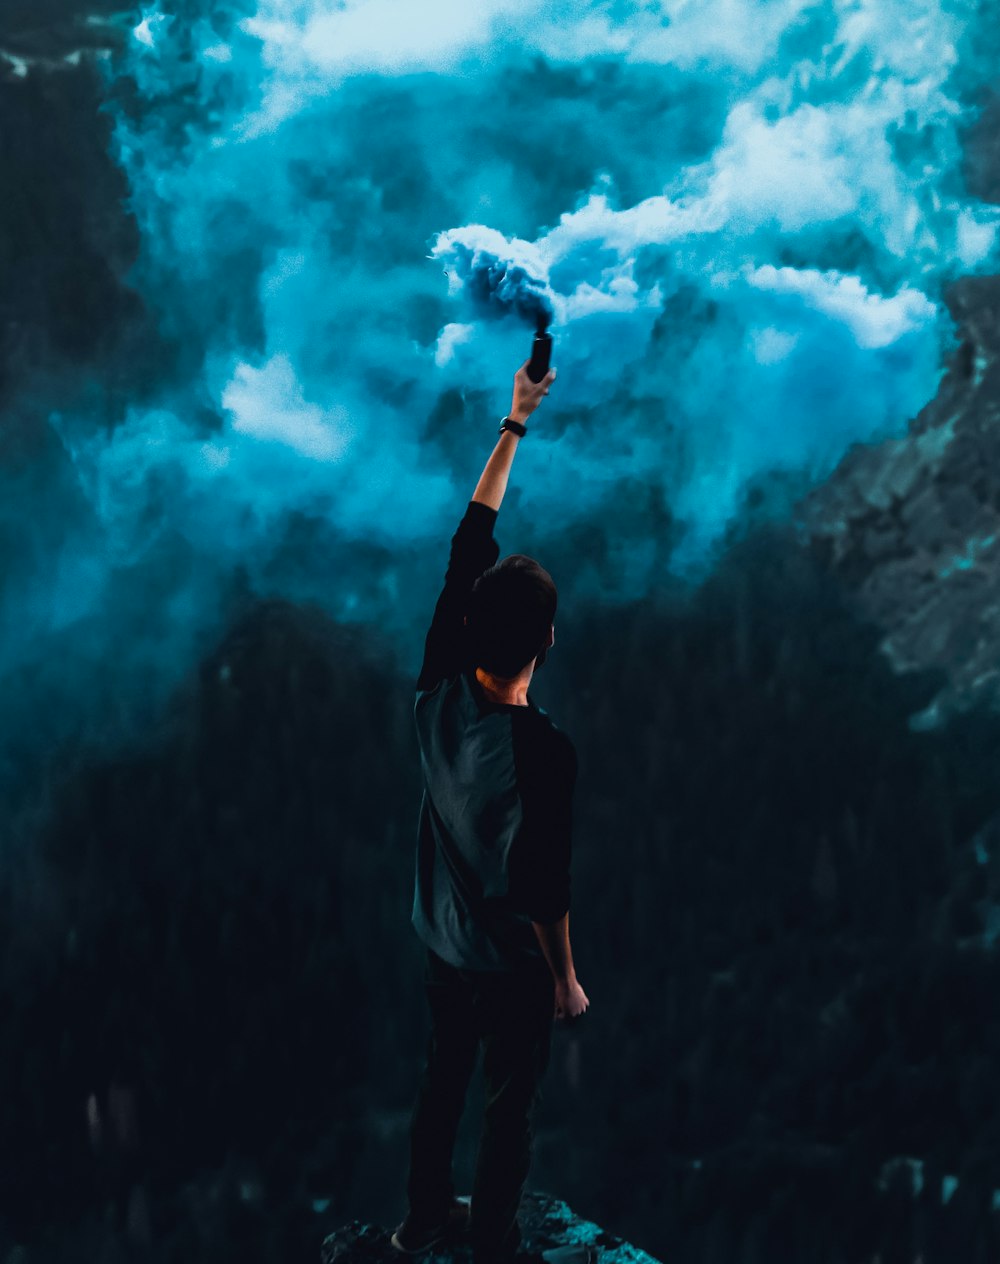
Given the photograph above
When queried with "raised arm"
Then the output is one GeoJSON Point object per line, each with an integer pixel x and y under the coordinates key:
{"type": "Point", "coordinates": [473, 549]}
{"type": "Point", "coordinates": [527, 396]}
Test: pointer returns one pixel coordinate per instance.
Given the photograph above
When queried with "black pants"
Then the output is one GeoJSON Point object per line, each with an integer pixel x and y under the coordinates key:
{"type": "Point", "coordinates": [510, 1014]}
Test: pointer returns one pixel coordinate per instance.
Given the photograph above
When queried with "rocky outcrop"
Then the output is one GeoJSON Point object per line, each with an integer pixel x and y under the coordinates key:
{"type": "Point", "coordinates": [912, 525]}
{"type": "Point", "coordinates": [550, 1232]}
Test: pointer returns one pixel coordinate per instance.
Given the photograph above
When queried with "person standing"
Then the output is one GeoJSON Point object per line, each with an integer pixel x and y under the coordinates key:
{"type": "Point", "coordinates": [492, 883]}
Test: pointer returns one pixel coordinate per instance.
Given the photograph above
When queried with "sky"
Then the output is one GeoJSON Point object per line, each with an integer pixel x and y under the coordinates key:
{"type": "Point", "coordinates": [740, 218]}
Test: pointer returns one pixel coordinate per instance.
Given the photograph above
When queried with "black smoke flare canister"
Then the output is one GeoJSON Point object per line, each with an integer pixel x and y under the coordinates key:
{"type": "Point", "coordinates": [541, 354]}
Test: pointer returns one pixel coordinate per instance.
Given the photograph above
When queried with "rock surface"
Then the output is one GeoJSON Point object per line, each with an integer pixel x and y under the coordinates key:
{"type": "Point", "coordinates": [549, 1229]}
{"type": "Point", "coordinates": [912, 525]}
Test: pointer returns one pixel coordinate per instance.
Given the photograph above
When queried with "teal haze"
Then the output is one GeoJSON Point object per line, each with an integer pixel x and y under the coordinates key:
{"type": "Point", "coordinates": [345, 219]}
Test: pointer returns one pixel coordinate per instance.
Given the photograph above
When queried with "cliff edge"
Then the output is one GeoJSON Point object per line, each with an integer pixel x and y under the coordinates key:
{"type": "Point", "coordinates": [551, 1233]}
{"type": "Point", "coordinates": [912, 525]}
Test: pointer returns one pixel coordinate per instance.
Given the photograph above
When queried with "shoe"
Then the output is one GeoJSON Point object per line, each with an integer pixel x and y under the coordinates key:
{"type": "Point", "coordinates": [573, 1253]}
{"type": "Point", "coordinates": [413, 1239]}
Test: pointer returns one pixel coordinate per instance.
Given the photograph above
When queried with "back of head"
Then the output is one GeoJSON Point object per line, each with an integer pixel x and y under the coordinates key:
{"type": "Point", "coordinates": [511, 608]}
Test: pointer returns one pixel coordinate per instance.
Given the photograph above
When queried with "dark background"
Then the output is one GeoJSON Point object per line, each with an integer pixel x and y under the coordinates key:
{"type": "Point", "coordinates": [784, 893]}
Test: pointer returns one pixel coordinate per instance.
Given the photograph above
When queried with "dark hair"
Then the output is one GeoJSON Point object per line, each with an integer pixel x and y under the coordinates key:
{"type": "Point", "coordinates": [511, 608]}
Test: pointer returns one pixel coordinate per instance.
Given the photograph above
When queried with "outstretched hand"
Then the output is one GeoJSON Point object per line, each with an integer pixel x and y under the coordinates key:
{"type": "Point", "coordinates": [528, 394]}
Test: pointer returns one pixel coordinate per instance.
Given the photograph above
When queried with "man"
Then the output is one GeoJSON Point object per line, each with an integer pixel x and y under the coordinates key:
{"type": "Point", "coordinates": [491, 899]}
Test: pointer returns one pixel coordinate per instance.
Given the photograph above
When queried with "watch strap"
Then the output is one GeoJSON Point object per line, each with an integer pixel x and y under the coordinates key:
{"type": "Point", "coordinates": [516, 427]}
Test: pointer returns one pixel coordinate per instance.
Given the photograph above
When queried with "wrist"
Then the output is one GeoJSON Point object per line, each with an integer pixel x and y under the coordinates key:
{"type": "Point", "coordinates": [510, 425]}
{"type": "Point", "coordinates": [519, 415]}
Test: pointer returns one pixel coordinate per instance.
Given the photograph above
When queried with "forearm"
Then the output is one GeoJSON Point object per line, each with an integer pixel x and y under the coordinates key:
{"type": "Point", "coordinates": [527, 396]}
{"type": "Point", "coordinates": [554, 940]}
{"type": "Point", "coordinates": [493, 480]}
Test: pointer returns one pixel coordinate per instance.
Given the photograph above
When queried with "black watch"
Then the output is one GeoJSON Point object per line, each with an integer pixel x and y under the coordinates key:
{"type": "Point", "coordinates": [509, 423]}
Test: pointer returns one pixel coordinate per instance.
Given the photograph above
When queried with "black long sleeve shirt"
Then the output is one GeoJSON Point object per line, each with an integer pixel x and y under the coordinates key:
{"type": "Point", "coordinates": [494, 833]}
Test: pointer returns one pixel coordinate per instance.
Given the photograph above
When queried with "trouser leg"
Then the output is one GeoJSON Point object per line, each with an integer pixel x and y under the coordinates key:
{"type": "Point", "coordinates": [515, 1015]}
{"type": "Point", "coordinates": [452, 1046]}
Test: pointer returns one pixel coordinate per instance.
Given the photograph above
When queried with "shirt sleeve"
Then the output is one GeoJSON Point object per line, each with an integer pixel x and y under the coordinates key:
{"type": "Point", "coordinates": [539, 863]}
{"type": "Point", "coordinates": [473, 550]}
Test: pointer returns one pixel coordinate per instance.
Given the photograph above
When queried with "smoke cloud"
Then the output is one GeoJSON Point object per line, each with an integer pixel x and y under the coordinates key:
{"type": "Point", "coordinates": [497, 277]}
{"type": "Point", "coordinates": [315, 239]}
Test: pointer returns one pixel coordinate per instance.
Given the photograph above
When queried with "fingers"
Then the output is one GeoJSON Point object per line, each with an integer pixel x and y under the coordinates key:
{"type": "Point", "coordinates": [528, 394]}
{"type": "Point", "coordinates": [546, 381]}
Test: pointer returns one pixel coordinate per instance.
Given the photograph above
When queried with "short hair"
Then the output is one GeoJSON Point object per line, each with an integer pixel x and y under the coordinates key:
{"type": "Point", "coordinates": [511, 608]}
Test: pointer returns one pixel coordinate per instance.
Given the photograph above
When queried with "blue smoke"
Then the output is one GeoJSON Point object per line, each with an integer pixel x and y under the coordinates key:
{"type": "Point", "coordinates": [486, 270]}
{"type": "Point", "coordinates": [737, 216]}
